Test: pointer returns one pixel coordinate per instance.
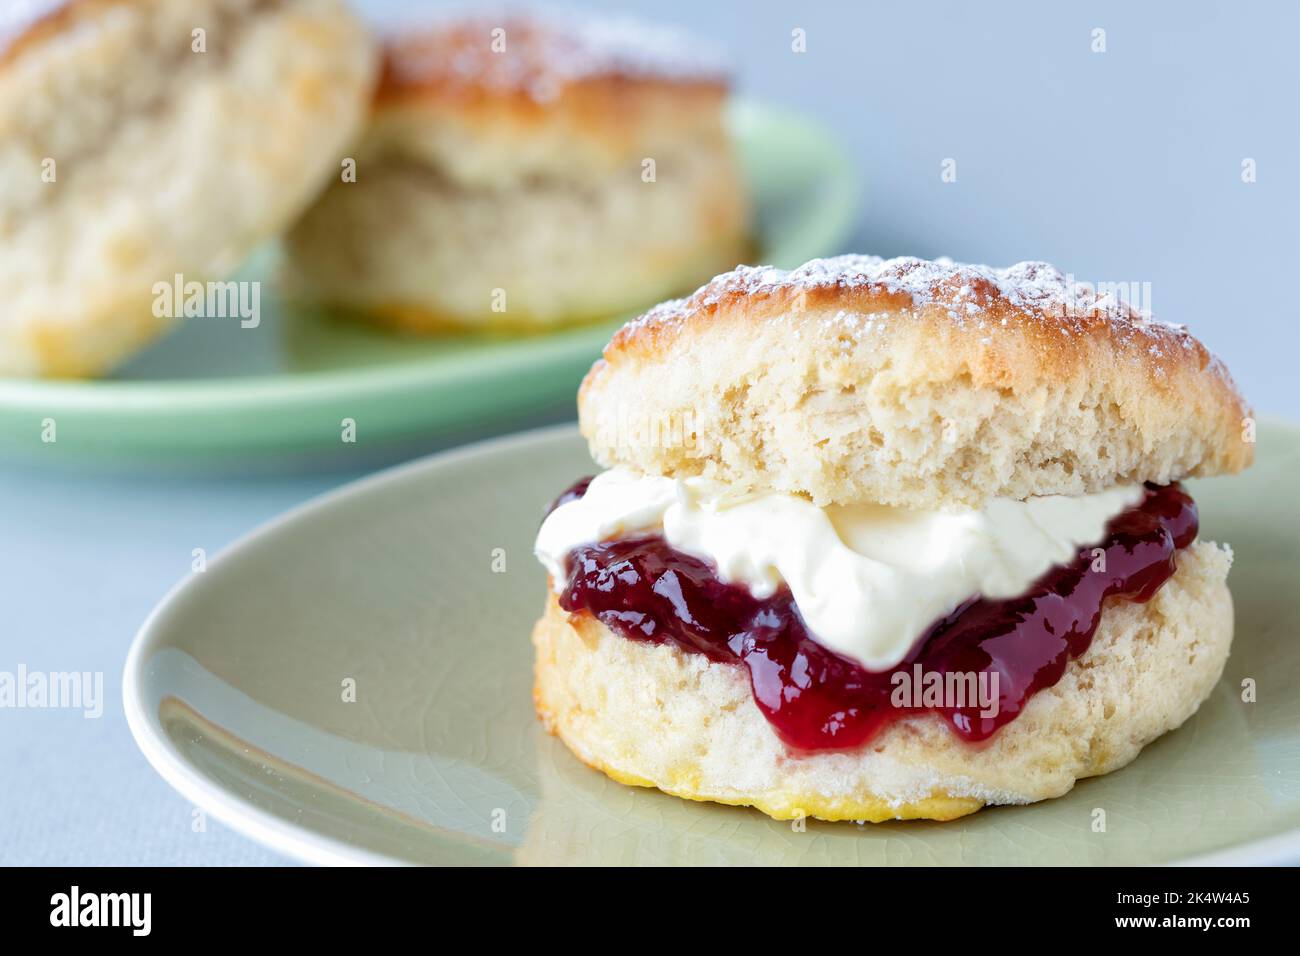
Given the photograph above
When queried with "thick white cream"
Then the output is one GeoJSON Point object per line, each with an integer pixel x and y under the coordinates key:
{"type": "Point", "coordinates": [868, 579]}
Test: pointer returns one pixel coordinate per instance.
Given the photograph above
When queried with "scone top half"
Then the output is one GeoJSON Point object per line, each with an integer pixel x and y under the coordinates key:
{"type": "Point", "coordinates": [911, 383]}
{"type": "Point", "coordinates": [491, 98]}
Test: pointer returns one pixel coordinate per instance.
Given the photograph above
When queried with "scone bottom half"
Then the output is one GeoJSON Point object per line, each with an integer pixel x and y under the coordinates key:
{"type": "Point", "coordinates": [726, 637]}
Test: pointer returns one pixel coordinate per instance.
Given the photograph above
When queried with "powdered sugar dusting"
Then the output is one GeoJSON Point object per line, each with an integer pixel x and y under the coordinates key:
{"type": "Point", "coordinates": [966, 292]}
{"type": "Point", "coordinates": [540, 53]}
{"type": "Point", "coordinates": [971, 297]}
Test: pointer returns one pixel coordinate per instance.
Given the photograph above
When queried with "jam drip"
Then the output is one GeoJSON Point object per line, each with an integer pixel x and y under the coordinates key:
{"type": "Point", "coordinates": [645, 590]}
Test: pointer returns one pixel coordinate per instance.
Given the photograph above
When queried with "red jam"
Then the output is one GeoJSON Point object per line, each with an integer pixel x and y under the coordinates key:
{"type": "Point", "coordinates": [817, 700]}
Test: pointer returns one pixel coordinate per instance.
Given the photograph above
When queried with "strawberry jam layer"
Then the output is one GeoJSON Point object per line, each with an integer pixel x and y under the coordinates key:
{"type": "Point", "coordinates": [643, 589]}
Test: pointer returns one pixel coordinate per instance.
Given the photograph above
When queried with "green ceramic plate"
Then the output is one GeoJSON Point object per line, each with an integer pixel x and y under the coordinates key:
{"type": "Point", "coordinates": [213, 391]}
{"type": "Point", "coordinates": [234, 690]}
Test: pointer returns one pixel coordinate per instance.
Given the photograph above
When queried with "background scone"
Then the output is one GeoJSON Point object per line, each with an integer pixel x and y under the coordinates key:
{"type": "Point", "coordinates": [133, 150]}
{"type": "Point", "coordinates": [503, 177]}
{"type": "Point", "coordinates": [882, 430]}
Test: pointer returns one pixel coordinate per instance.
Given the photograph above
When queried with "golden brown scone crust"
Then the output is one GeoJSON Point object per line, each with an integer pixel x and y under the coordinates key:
{"type": "Point", "coordinates": [911, 383]}
{"type": "Point", "coordinates": [566, 97]}
{"type": "Point", "coordinates": [29, 25]}
{"type": "Point", "coordinates": [591, 79]}
{"type": "Point", "coordinates": [656, 716]}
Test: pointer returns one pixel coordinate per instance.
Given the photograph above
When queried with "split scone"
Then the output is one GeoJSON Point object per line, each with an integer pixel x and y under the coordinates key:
{"type": "Point", "coordinates": [527, 170]}
{"type": "Point", "coordinates": [141, 140]}
{"type": "Point", "coordinates": [887, 540]}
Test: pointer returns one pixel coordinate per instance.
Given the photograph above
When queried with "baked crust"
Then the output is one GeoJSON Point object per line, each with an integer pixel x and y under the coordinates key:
{"type": "Point", "coordinates": [537, 63]}
{"type": "Point", "coordinates": [28, 25]}
{"type": "Point", "coordinates": [911, 383]}
{"type": "Point", "coordinates": [539, 55]}
{"type": "Point", "coordinates": [572, 96]}
{"type": "Point", "coordinates": [655, 716]}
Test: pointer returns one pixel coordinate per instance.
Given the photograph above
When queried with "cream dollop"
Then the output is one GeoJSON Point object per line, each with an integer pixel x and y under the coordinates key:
{"type": "Point", "coordinates": [868, 579]}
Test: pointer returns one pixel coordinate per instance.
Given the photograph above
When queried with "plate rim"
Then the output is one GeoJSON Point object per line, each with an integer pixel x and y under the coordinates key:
{"type": "Point", "coordinates": [306, 845]}
{"type": "Point", "coordinates": [239, 814]}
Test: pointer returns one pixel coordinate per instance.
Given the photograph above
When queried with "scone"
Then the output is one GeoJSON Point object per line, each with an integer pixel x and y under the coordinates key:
{"type": "Point", "coordinates": [142, 140]}
{"type": "Point", "coordinates": [522, 171]}
{"type": "Point", "coordinates": [887, 540]}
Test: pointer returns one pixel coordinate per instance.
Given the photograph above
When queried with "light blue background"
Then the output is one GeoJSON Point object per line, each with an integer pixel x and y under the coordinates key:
{"type": "Point", "coordinates": [1116, 166]}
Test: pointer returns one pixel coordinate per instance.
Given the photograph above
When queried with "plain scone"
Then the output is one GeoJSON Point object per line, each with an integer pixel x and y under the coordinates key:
{"type": "Point", "coordinates": [502, 181]}
{"type": "Point", "coordinates": [166, 160]}
{"type": "Point", "coordinates": [925, 385]}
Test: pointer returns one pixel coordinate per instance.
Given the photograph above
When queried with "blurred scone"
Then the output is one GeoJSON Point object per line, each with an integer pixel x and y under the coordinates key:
{"type": "Point", "coordinates": [887, 540]}
{"type": "Point", "coordinates": [522, 171]}
{"type": "Point", "coordinates": [145, 139]}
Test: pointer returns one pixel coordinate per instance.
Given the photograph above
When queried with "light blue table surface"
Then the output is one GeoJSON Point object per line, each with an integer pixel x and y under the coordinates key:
{"type": "Point", "coordinates": [1117, 166]}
